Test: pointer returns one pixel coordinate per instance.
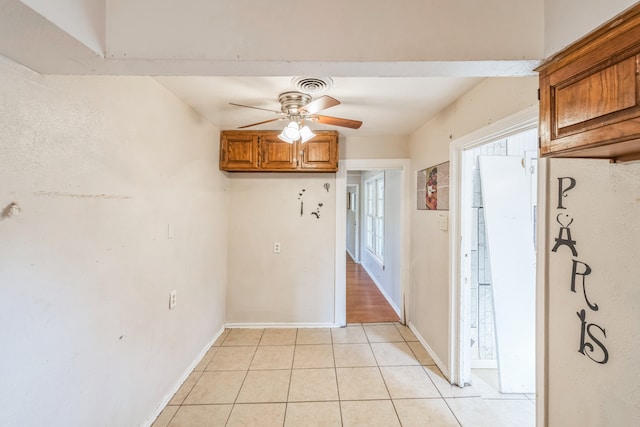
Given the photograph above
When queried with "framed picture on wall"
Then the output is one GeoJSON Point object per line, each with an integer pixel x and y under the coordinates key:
{"type": "Point", "coordinates": [433, 188]}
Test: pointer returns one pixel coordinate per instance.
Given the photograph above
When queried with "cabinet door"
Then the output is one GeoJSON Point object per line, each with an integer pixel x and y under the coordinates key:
{"type": "Point", "coordinates": [320, 153]}
{"type": "Point", "coordinates": [276, 154]}
{"type": "Point", "coordinates": [593, 108]}
{"type": "Point", "coordinates": [239, 151]}
{"type": "Point", "coordinates": [590, 94]}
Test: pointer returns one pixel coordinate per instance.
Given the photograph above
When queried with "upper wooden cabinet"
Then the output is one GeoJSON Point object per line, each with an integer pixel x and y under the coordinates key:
{"type": "Point", "coordinates": [590, 94]}
{"type": "Point", "coordinates": [239, 151]}
{"type": "Point", "coordinates": [320, 153]}
{"type": "Point", "coordinates": [263, 151]}
{"type": "Point", "coordinates": [276, 154]}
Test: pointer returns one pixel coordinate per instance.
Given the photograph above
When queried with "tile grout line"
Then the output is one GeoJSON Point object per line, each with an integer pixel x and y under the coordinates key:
{"type": "Point", "coordinates": [262, 343]}
{"type": "Point", "coordinates": [181, 404]}
{"type": "Point", "coordinates": [286, 403]}
{"type": "Point", "coordinates": [440, 393]}
{"type": "Point", "coordinates": [430, 379]}
{"type": "Point", "coordinates": [335, 372]}
{"type": "Point", "coordinates": [192, 387]}
{"type": "Point", "coordinates": [395, 410]}
{"type": "Point", "coordinates": [235, 401]}
{"type": "Point", "coordinates": [448, 406]}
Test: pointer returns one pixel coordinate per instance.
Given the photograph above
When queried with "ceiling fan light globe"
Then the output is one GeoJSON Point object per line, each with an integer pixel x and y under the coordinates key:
{"type": "Point", "coordinates": [285, 138]}
{"type": "Point", "coordinates": [292, 131]}
{"type": "Point", "coordinates": [306, 134]}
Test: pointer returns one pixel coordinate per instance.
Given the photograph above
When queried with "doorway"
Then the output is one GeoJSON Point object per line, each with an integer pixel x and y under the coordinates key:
{"type": "Point", "coordinates": [373, 275]}
{"type": "Point", "coordinates": [494, 259]}
{"type": "Point", "coordinates": [498, 215]}
{"type": "Point", "coordinates": [353, 215]}
{"type": "Point", "coordinates": [392, 265]}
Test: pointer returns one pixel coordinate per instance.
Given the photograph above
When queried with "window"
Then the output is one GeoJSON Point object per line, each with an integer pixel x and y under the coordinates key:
{"type": "Point", "coordinates": [374, 216]}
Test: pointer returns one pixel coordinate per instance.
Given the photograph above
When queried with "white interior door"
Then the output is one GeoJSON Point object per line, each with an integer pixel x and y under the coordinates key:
{"type": "Point", "coordinates": [506, 191]}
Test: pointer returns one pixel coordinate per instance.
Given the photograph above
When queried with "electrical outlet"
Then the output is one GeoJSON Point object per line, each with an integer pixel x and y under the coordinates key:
{"type": "Point", "coordinates": [172, 299]}
{"type": "Point", "coordinates": [276, 247]}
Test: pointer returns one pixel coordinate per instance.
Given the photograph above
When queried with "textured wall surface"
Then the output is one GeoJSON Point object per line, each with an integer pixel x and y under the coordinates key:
{"type": "Point", "coordinates": [121, 201]}
{"type": "Point", "coordinates": [297, 284]}
{"type": "Point", "coordinates": [593, 376]}
{"type": "Point", "coordinates": [491, 100]}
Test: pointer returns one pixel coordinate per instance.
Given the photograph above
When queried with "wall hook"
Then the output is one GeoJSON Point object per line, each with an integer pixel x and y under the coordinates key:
{"type": "Point", "coordinates": [11, 210]}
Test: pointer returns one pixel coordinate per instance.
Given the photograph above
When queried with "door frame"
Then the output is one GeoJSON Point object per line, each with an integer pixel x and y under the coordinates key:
{"type": "Point", "coordinates": [403, 165]}
{"type": "Point", "coordinates": [356, 255]}
{"type": "Point", "coordinates": [458, 295]}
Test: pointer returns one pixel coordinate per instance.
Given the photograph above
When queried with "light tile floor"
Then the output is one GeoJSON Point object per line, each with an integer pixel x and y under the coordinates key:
{"type": "Point", "coordinates": [362, 375]}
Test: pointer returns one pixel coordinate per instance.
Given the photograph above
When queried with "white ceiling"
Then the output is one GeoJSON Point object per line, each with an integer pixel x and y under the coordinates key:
{"type": "Point", "coordinates": [385, 105]}
{"type": "Point", "coordinates": [429, 52]}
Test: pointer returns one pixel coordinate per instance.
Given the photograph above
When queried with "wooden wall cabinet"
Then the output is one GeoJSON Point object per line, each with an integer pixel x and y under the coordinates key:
{"type": "Point", "coordinates": [275, 154]}
{"type": "Point", "coordinates": [590, 94]}
{"type": "Point", "coordinates": [239, 151]}
{"type": "Point", "coordinates": [320, 154]}
{"type": "Point", "coordinates": [263, 151]}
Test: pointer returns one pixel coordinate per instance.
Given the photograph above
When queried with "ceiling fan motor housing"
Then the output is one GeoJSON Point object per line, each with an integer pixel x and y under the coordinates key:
{"type": "Point", "coordinates": [293, 101]}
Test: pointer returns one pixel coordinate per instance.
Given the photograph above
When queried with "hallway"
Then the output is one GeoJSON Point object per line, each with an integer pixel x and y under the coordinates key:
{"type": "Point", "coordinates": [365, 302]}
{"type": "Point", "coordinates": [361, 375]}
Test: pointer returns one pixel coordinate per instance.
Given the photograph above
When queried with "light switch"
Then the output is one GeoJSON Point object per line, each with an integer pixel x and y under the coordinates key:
{"type": "Point", "coordinates": [443, 222]}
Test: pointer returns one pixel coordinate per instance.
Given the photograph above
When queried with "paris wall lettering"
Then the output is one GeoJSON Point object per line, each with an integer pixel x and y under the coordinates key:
{"type": "Point", "coordinates": [592, 336]}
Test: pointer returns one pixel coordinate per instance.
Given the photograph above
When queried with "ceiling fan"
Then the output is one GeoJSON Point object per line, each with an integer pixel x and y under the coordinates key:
{"type": "Point", "coordinates": [296, 107]}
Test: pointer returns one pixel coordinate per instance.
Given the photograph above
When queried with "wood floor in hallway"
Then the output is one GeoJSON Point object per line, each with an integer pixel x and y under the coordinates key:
{"type": "Point", "coordinates": [365, 302]}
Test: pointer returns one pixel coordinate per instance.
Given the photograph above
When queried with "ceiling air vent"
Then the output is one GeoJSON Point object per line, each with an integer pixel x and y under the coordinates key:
{"type": "Point", "coordinates": [312, 85]}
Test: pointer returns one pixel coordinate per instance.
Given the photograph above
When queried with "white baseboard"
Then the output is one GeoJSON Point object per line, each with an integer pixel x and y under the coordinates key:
{"type": "Point", "coordinates": [353, 257]}
{"type": "Point", "coordinates": [281, 325]}
{"type": "Point", "coordinates": [382, 291]}
{"type": "Point", "coordinates": [433, 355]}
{"type": "Point", "coordinates": [181, 380]}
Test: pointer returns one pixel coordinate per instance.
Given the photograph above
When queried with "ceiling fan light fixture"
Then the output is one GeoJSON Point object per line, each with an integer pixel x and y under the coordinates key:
{"type": "Point", "coordinates": [285, 138]}
{"type": "Point", "coordinates": [306, 134]}
{"type": "Point", "coordinates": [298, 107]}
{"type": "Point", "coordinates": [291, 133]}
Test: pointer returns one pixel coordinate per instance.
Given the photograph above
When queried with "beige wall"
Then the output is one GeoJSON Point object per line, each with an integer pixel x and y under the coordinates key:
{"type": "Point", "coordinates": [378, 147]}
{"type": "Point", "coordinates": [567, 20]}
{"type": "Point", "coordinates": [100, 167]}
{"type": "Point", "coordinates": [295, 286]}
{"type": "Point", "coordinates": [491, 100]}
{"type": "Point", "coordinates": [604, 206]}
{"type": "Point", "coordinates": [359, 34]}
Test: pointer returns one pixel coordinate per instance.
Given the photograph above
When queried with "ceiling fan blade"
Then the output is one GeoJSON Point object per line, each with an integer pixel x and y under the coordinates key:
{"type": "Point", "coordinates": [337, 121]}
{"type": "Point", "coordinates": [320, 104]}
{"type": "Point", "coordinates": [260, 123]}
{"type": "Point", "coordinates": [256, 108]}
